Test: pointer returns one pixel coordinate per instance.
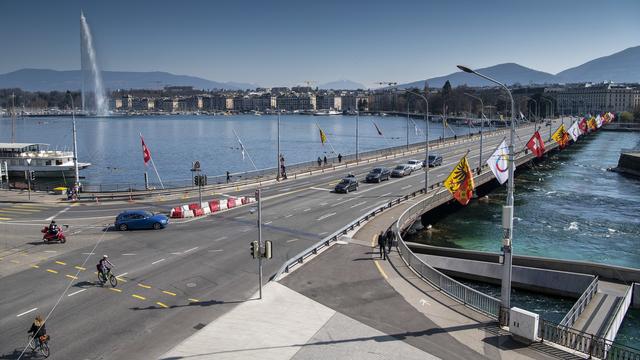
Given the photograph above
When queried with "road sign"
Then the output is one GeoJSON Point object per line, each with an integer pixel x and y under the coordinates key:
{"type": "Point", "coordinates": [196, 165]}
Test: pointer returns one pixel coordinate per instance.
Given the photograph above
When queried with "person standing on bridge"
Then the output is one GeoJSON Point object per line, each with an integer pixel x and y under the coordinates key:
{"type": "Point", "coordinates": [381, 244]}
{"type": "Point", "coordinates": [390, 237]}
{"type": "Point", "coordinates": [325, 160]}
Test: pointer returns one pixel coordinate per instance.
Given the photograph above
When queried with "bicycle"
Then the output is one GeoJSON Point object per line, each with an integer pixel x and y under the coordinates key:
{"type": "Point", "coordinates": [41, 344]}
{"type": "Point", "coordinates": [103, 277]}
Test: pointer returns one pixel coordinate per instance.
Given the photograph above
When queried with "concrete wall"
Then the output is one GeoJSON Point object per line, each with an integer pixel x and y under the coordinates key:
{"type": "Point", "coordinates": [635, 300]}
{"type": "Point", "coordinates": [552, 282]}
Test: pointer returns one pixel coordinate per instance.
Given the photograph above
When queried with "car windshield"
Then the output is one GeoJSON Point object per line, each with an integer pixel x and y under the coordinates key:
{"type": "Point", "coordinates": [146, 214]}
{"type": "Point", "coordinates": [376, 171]}
{"type": "Point", "coordinates": [400, 167]}
{"type": "Point", "coordinates": [344, 182]}
{"type": "Point", "coordinates": [432, 157]}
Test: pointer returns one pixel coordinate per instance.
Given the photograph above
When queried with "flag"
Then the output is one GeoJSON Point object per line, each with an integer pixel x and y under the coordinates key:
{"type": "Point", "coordinates": [521, 116]}
{"type": "Point", "coordinates": [377, 128]}
{"type": "Point", "coordinates": [583, 126]}
{"type": "Point", "coordinates": [460, 182]}
{"type": "Point", "coordinates": [598, 121]}
{"type": "Point", "coordinates": [591, 124]}
{"type": "Point", "coordinates": [323, 137]}
{"type": "Point", "coordinates": [499, 162]}
{"type": "Point", "coordinates": [146, 154]}
{"type": "Point", "coordinates": [561, 136]}
{"type": "Point", "coordinates": [241, 145]}
{"type": "Point", "coordinates": [536, 145]}
{"type": "Point", "coordinates": [574, 131]}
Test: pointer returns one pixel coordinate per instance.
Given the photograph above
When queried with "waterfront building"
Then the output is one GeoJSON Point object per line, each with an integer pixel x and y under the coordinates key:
{"type": "Point", "coordinates": [115, 104]}
{"type": "Point", "coordinates": [326, 101]}
{"type": "Point", "coordinates": [166, 104]}
{"type": "Point", "coordinates": [593, 99]}
{"type": "Point", "coordinates": [291, 102]}
{"type": "Point", "coordinates": [214, 103]}
{"type": "Point", "coordinates": [127, 102]}
{"type": "Point", "coordinates": [142, 104]}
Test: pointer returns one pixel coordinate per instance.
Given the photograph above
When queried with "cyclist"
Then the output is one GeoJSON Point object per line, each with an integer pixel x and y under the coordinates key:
{"type": "Point", "coordinates": [38, 329]}
{"type": "Point", "coordinates": [104, 265]}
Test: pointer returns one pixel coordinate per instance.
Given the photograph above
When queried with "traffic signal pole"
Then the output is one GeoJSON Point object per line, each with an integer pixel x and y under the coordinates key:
{"type": "Point", "coordinates": [260, 244]}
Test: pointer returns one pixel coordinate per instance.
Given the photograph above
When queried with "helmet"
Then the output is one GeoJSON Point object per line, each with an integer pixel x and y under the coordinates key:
{"type": "Point", "coordinates": [53, 221]}
{"type": "Point", "coordinates": [104, 256]}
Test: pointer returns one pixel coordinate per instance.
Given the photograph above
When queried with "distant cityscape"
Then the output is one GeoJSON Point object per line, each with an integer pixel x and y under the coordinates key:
{"type": "Point", "coordinates": [533, 100]}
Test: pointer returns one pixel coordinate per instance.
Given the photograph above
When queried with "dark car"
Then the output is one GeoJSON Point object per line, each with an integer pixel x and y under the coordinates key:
{"type": "Point", "coordinates": [378, 174]}
{"type": "Point", "coordinates": [347, 184]}
{"type": "Point", "coordinates": [434, 160]}
{"type": "Point", "coordinates": [401, 170]}
{"type": "Point", "coordinates": [140, 219]}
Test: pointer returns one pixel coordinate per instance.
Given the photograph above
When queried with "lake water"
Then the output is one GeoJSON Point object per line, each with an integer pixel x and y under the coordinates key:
{"type": "Point", "coordinates": [112, 144]}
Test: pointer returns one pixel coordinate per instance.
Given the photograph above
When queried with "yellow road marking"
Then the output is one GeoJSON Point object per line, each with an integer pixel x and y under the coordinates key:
{"type": "Point", "coordinates": [52, 271]}
{"type": "Point", "coordinates": [144, 286]}
{"type": "Point", "coordinates": [35, 266]}
{"type": "Point", "coordinates": [120, 279]}
{"type": "Point", "coordinates": [25, 211]}
{"type": "Point", "coordinates": [61, 263]}
{"type": "Point", "coordinates": [162, 305]}
{"type": "Point", "coordinates": [116, 290]}
{"type": "Point", "coordinates": [80, 268]}
{"type": "Point", "coordinates": [380, 269]}
{"type": "Point", "coordinates": [4, 218]}
{"type": "Point", "coordinates": [194, 300]}
{"type": "Point", "coordinates": [71, 277]}
{"type": "Point", "coordinates": [169, 293]}
{"type": "Point", "coordinates": [139, 297]}
{"type": "Point", "coordinates": [15, 261]}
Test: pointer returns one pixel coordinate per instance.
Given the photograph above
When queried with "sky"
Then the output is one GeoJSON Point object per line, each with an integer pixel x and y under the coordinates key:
{"type": "Point", "coordinates": [288, 42]}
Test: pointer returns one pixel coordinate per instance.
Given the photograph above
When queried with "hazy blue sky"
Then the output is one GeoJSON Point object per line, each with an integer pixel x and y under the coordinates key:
{"type": "Point", "coordinates": [288, 42]}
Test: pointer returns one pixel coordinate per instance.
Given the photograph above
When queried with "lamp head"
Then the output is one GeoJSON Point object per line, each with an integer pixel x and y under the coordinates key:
{"type": "Point", "coordinates": [466, 69]}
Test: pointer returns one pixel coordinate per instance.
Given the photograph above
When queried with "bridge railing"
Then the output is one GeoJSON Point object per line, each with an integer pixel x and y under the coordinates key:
{"type": "Point", "coordinates": [589, 344]}
{"type": "Point", "coordinates": [615, 321]}
{"type": "Point", "coordinates": [582, 302]}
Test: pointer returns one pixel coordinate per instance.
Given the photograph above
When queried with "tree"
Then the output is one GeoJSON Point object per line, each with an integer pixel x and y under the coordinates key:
{"type": "Point", "coordinates": [626, 117]}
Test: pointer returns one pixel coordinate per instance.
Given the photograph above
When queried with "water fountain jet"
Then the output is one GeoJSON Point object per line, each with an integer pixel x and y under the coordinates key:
{"type": "Point", "coordinates": [94, 99]}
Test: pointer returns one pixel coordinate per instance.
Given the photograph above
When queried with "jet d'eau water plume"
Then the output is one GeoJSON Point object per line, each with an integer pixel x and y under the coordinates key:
{"type": "Point", "coordinates": [94, 100]}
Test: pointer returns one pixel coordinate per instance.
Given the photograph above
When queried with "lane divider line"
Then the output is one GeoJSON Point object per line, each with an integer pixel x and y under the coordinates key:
{"type": "Point", "coordinates": [72, 277]}
{"type": "Point", "coordinates": [193, 300]}
{"type": "Point", "coordinates": [162, 305]}
{"type": "Point", "coordinates": [169, 293]}
{"type": "Point", "coordinates": [325, 216]}
{"type": "Point", "coordinates": [194, 248]}
{"type": "Point", "coordinates": [61, 262]}
{"type": "Point", "coordinates": [28, 311]}
{"type": "Point", "coordinates": [116, 290]}
{"type": "Point", "coordinates": [80, 268]}
{"type": "Point", "coordinates": [144, 286]}
{"type": "Point", "coordinates": [77, 292]}
{"type": "Point", "coordinates": [157, 261]}
{"type": "Point", "coordinates": [138, 297]}
{"type": "Point", "coordinates": [35, 266]}
{"type": "Point", "coordinates": [52, 271]}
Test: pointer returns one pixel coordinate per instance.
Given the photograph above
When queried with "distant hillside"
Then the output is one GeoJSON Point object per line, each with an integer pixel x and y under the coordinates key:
{"type": "Point", "coordinates": [47, 80]}
{"type": "Point", "coordinates": [621, 67]}
{"type": "Point", "coordinates": [508, 73]}
{"type": "Point", "coordinates": [342, 85]}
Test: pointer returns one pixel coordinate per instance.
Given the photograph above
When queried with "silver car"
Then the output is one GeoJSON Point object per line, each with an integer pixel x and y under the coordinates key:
{"type": "Point", "coordinates": [415, 164]}
{"type": "Point", "coordinates": [401, 170]}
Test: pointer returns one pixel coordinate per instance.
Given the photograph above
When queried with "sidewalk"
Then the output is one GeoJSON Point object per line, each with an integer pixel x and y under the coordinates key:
{"type": "Point", "coordinates": [22, 196]}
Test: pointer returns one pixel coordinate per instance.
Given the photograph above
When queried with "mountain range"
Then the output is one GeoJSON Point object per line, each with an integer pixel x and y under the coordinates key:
{"type": "Point", "coordinates": [621, 67]}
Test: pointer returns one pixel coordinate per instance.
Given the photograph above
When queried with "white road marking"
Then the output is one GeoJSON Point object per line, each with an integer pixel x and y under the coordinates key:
{"type": "Point", "coordinates": [217, 250]}
{"type": "Point", "coordinates": [88, 253]}
{"type": "Point", "coordinates": [307, 209]}
{"type": "Point", "coordinates": [220, 238]}
{"type": "Point", "coordinates": [193, 248]}
{"type": "Point", "coordinates": [323, 204]}
{"type": "Point", "coordinates": [123, 274]}
{"type": "Point", "coordinates": [246, 230]}
{"type": "Point", "coordinates": [424, 302]}
{"type": "Point", "coordinates": [344, 201]}
{"type": "Point", "coordinates": [325, 216]}
{"type": "Point", "coordinates": [157, 261]}
{"type": "Point", "coordinates": [317, 188]}
{"type": "Point", "coordinates": [323, 233]}
{"type": "Point", "coordinates": [128, 254]}
{"type": "Point", "coordinates": [58, 213]}
{"type": "Point", "coordinates": [28, 311]}
{"type": "Point", "coordinates": [288, 216]}
{"type": "Point", "coordinates": [383, 195]}
{"type": "Point", "coordinates": [358, 204]}
{"type": "Point", "coordinates": [292, 240]}
{"type": "Point", "coordinates": [77, 292]}
{"type": "Point", "coordinates": [52, 251]}
{"type": "Point", "coordinates": [285, 189]}
{"type": "Point", "coordinates": [405, 187]}
{"type": "Point", "coordinates": [176, 253]}
{"type": "Point", "coordinates": [267, 223]}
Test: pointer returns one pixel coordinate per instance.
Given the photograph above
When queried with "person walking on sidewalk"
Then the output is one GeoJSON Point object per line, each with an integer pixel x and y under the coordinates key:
{"type": "Point", "coordinates": [339, 158]}
{"type": "Point", "coordinates": [381, 244]}
{"type": "Point", "coordinates": [390, 237]}
{"type": "Point", "coordinates": [228, 177]}
{"type": "Point", "coordinates": [325, 160]}
{"type": "Point", "coordinates": [319, 161]}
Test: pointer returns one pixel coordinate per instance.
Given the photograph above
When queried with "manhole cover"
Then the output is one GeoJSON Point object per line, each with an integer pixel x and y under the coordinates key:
{"type": "Point", "coordinates": [191, 285]}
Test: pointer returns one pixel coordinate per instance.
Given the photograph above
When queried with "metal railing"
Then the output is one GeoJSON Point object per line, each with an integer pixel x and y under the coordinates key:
{"type": "Point", "coordinates": [614, 322]}
{"type": "Point", "coordinates": [582, 302]}
{"type": "Point", "coordinates": [589, 344]}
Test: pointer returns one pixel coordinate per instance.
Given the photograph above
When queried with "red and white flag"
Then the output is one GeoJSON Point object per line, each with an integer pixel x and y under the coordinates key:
{"type": "Point", "coordinates": [536, 145]}
{"type": "Point", "coordinates": [146, 154]}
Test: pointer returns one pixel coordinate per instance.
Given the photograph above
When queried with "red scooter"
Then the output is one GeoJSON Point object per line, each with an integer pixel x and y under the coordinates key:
{"type": "Point", "coordinates": [49, 237]}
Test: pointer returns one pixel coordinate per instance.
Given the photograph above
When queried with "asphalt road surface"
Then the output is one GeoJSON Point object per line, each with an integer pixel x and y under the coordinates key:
{"type": "Point", "coordinates": [173, 281]}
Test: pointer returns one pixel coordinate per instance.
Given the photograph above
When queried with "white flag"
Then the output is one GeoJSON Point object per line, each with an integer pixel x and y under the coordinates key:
{"type": "Point", "coordinates": [598, 121]}
{"type": "Point", "coordinates": [499, 162]}
{"type": "Point", "coordinates": [574, 131]}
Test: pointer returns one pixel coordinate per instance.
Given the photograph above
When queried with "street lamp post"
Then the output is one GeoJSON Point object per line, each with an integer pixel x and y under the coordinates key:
{"type": "Point", "coordinates": [76, 186]}
{"type": "Point", "coordinates": [426, 140]}
{"type": "Point", "coordinates": [551, 113]}
{"type": "Point", "coordinates": [278, 150]}
{"type": "Point", "coordinates": [507, 211]}
{"type": "Point", "coordinates": [481, 128]}
{"type": "Point", "coordinates": [29, 176]}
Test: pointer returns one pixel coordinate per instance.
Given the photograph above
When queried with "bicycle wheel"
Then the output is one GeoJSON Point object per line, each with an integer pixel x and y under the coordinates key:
{"type": "Point", "coordinates": [32, 343]}
{"type": "Point", "coordinates": [44, 349]}
{"type": "Point", "coordinates": [113, 280]}
{"type": "Point", "coordinates": [101, 279]}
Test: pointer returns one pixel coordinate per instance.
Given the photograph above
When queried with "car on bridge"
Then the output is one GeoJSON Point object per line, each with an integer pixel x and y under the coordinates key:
{"type": "Point", "coordinates": [415, 164]}
{"type": "Point", "coordinates": [140, 219]}
{"type": "Point", "coordinates": [347, 184]}
{"type": "Point", "coordinates": [402, 170]}
{"type": "Point", "coordinates": [378, 175]}
{"type": "Point", "coordinates": [434, 160]}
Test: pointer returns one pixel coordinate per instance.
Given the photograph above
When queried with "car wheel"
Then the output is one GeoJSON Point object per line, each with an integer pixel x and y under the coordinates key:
{"type": "Point", "coordinates": [157, 226]}
{"type": "Point", "coordinates": [123, 227]}
{"type": "Point", "coordinates": [346, 190]}
{"type": "Point", "coordinates": [379, 179]}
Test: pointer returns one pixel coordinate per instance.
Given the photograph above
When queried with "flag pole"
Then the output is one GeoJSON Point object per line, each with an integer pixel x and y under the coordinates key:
{"type": "Point", "coordinates": [156, 170]}
{"type": "Point", "coordinates": [245, 150]}
{"type": "Point", "coordinates": [381, 134]}
{"type": "Point", "coordinates": [328, 142]}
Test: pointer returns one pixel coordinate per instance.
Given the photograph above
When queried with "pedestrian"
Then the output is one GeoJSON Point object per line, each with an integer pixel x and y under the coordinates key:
{"type": "Point", "coordinates": [390, 236]}
{"type": "Point", "coordinates": [381, 243]}
{"type": "Point", "coordinates": [339, 158]}
{"type": "Point", "coordinates": [228, 177]}
{"type": "Point", "coordinates": [319, 161]}
{"type": "Point", "coordinates": [325, 160]}
{"type": "Point", "coordinates": [283, 171]}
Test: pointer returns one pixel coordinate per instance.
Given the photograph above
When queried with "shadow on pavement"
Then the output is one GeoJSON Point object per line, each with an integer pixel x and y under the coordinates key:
{"type": "Point", "coordinates": [28, 355]}
{"type": "Point", "coordinates": [191, 304]}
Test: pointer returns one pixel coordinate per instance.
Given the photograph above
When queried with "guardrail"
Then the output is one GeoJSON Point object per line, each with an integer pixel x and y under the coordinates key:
{"type": "Point", "coordinates": [589, 344]}
{"type": "Point", "coordinates": [614, 322]}
{"type": "Point", "coordinates": [582, 302]}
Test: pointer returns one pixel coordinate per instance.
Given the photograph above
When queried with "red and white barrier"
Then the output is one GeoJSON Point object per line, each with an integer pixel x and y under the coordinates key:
{"type": "Point", "coordinates": [210, 207]}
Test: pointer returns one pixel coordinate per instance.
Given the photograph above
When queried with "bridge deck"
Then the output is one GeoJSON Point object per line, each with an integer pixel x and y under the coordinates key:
{"type": "Point", "coordinates": [603, 305]}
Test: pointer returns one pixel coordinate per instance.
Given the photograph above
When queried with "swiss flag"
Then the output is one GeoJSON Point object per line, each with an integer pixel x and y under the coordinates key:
{"type": "Point", "coordinates": [146, 154]}
{"type": "Point", "coordinates": [536, 145]}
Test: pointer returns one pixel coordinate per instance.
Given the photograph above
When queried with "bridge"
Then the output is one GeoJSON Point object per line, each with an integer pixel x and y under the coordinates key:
{"type": "Point", "coordinates": [175, 281]}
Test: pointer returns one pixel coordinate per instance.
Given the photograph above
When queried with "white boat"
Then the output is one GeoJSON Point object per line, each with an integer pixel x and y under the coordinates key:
{"type": "Point", "coordinates": [44, 162]}
{"type": "Point", "coordinates": [327, 113]}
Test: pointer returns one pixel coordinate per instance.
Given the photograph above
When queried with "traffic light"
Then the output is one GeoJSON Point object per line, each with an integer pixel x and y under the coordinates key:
{"type": "Point", "coordinates": [255, 249]}
{"type": "Point", "coordinates": [196, 180]}
{"type": "Point", "coordinates": [32, 174]}
{"type": "Point", "coordinates": [267, 249]}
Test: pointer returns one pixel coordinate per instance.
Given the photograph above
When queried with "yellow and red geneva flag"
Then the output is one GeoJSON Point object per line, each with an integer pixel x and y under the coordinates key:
{"type": "Point", "coordinates": [460, 182]}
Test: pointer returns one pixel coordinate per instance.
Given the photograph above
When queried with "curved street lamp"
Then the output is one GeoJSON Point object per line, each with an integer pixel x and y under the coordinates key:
{"type": "Point", "coordinates": [481, 128]}
{"type": "Point", "coordinates": [507, 210]}
{"type": "Point", "coordinates": [426, 139]}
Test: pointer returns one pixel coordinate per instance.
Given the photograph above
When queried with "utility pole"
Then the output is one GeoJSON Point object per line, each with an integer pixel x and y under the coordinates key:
{"type": "Point", "coordinates": [407, 123]}
{"type": "Point", "coordinates": [260, 243]}
{"type": "Point", "coordinates": [278, 174]}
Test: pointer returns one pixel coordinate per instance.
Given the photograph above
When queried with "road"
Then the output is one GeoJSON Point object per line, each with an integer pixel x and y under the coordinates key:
{"type": "Point", "coordinates": [175, 280]}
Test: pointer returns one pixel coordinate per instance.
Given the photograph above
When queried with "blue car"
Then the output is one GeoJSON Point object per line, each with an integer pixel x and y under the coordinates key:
{"type": "Point", "coordinates": [140, 219]}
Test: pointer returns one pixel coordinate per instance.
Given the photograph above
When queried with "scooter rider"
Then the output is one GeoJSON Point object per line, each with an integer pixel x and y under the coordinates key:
{"type": "Point", "coordinates": [53, 228]}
